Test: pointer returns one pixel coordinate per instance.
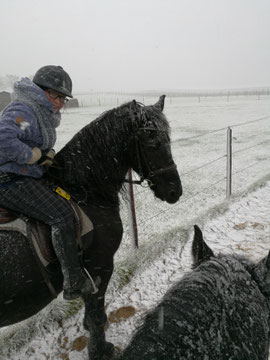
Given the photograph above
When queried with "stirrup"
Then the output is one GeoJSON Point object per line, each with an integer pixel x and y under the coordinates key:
{"type": "Point", "coordinates": [88, 286]}
{"type": "Point", "coordinates": [93, 283]}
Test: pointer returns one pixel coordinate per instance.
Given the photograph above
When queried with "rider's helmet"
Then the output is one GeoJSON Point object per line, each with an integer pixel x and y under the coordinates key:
{"type": "Point", "coordinates": [55, 78]}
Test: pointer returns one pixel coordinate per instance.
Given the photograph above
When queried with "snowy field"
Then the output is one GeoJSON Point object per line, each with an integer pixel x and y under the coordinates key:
{"type": "Point", "coordinates": [199, 130]}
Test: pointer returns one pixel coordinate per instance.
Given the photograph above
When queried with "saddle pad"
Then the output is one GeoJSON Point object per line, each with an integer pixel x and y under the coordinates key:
{"type": "Point", "coordinates": [15, 225]}
{"type": "Point", "coordinates": [41, 233]}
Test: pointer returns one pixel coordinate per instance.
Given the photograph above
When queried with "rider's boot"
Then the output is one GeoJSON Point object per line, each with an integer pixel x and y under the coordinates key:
{"type": "Point", "coordinates": [65, 247]}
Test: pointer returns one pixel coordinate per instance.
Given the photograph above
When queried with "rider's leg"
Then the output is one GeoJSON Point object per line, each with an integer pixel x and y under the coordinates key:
{"type": "Point", "coordinates": [63, 239]}
{"type": "Point", "coordinates": [29, 197]}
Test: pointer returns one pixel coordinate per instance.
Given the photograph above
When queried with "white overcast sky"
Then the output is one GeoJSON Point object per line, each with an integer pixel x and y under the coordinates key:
{"type": "Point", "coordinates": [139, 44]}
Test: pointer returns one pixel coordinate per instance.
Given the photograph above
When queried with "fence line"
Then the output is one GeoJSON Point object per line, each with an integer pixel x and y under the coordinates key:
{"type": "Point", "coordinates": [99, 98]}
{"type": "Point", "coordinates": [217, 130]}
{"type": "Point", "coordinates": [217, 159]}
{"type": "Point", "coordinates": [199, 135]}
{"type": "Point", "coordinates": [238, 171]}
{"type": "Point", "coordinates": [193, 170]}
{"type": "Point", "coordinates": [251, 121]}
{"type": "Point", "coordinates": [250, 147]}
{"type": "Point", "coordinates": [211, 162]}
{"type": "Point", "coordinates": [197, 193]}
{"type": "Point", "coordinates": [204, 165]}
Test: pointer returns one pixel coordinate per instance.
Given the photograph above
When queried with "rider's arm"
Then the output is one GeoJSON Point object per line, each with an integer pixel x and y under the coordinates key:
{"type": "Point", "coordinates": [19, 133]}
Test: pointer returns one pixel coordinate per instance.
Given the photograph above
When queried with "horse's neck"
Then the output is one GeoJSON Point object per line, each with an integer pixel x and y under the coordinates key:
{"type": "Point", "coordinates": [87, 166]}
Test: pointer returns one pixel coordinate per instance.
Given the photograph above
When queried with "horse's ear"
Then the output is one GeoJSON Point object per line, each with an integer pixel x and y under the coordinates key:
{"type": "Point", "coordinates": [160, 103]}
{"type": "Point", "coordinates": [200, 250]}
{"type": "Point", "coordinates": [133, 103]}
{"type": "Point", "coordinates": [267, 263]}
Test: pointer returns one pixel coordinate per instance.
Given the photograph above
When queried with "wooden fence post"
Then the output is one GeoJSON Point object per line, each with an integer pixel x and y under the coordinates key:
{"type": "Point", "coordinates": [132, 213]}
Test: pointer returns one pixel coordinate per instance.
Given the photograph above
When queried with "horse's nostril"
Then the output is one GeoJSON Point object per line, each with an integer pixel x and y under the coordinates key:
{"type": "Point", "coordinates": [174, 194]}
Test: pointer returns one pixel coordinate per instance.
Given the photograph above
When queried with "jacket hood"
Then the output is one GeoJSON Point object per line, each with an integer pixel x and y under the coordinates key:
{"type": "Point", "coordinates": [25, 88]}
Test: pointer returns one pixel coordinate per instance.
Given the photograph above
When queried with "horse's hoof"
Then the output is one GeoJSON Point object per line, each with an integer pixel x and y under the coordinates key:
{"type": "Point", "coordinates": [105, 352]}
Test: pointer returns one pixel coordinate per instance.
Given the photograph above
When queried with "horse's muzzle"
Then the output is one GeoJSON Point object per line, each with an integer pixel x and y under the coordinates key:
{"type": "Point", "coordinates": [174, 194]}
{"type": "Point", "coordinates": [169, 191]}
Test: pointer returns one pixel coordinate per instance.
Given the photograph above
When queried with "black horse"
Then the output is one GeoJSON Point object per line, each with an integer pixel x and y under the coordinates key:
{"type": "Point", "coordinates": [218, 311]}
{"type": "Point", "coordinates": [92, 167]}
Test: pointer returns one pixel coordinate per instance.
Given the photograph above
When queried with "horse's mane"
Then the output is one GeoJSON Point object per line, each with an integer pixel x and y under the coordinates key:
{"type": "Point", "coordinates": [100, 147]}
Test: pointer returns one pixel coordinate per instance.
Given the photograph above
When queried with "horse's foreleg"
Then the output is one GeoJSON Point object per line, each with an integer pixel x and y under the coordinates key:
{"type": "Point", "coordinates": [99, 299]}
{"type": "Point", "coordinates": [94, 321]}
{"type": "Point", "coordinates": [99, 258]}
{"type": "Point", "coordinates": [95, 318]}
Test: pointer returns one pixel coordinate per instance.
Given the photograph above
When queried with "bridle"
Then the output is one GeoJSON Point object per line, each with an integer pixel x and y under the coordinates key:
{"type": "Point", "coordinates": [142, 158]}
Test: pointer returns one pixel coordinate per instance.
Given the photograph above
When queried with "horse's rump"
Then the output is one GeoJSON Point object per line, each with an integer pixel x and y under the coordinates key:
{"type": "Point", "coordinates": [19, 276]}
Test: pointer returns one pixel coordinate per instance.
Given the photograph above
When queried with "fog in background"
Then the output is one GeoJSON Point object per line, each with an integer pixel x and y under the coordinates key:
{"type": "Point", "coordinates": [126, 45]}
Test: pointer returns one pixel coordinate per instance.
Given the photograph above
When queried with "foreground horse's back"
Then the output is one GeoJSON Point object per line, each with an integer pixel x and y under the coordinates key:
{"type": "Point", "coordinates": [218, 311]}
{"type": "Point", "coordinates": [23, 290]}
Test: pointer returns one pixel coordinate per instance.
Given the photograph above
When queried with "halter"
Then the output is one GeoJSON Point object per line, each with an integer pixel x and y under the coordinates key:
{"type": "Point", "coordinates": [141, 156]}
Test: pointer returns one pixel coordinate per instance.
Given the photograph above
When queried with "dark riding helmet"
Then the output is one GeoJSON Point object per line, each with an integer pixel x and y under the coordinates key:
{"type": "Point", "coordinates": [55, 78]}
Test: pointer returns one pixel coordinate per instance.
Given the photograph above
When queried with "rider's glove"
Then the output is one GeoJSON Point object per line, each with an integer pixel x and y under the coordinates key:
{"type": "Point", "coordinates": [36, 155]}
{"type": "Point", "coordinates": [47, 160]}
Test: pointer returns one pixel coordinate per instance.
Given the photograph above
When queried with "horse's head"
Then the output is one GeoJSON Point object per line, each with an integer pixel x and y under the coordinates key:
{"type": "Point", "coordinates": [153, 160]}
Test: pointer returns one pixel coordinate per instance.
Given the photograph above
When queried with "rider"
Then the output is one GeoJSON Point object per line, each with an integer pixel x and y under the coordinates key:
{"type": "Point", "coordinates": [27, 132]}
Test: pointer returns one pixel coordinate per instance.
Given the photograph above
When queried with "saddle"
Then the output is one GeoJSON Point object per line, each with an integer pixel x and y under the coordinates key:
{"type": "Point", "coordinates": [39, 234]}
{"type": "Point", "coordinates": [7, 216]}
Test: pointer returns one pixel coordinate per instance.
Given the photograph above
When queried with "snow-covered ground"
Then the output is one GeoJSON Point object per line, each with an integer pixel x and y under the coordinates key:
{"type": "Point", "coordinates": [165, 231]}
